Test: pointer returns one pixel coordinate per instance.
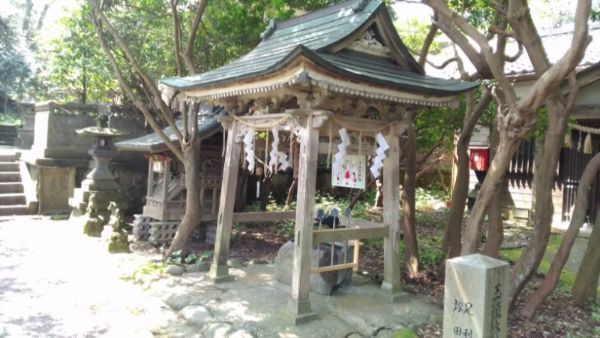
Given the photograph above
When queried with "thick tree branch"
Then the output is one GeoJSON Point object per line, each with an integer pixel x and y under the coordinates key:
{"type": "Point", "coordinates": [177, 37]}
{"type": "Point", "coordinates": [134, 98]}
{"type": "Point", "coordinates": [188, 55]}
{"type": "Point", "coordinates": [427, 43]}
{"type": "Point", "coordinates": [156, 95]}
{"type": "Point", "coordinates": [550, 76]}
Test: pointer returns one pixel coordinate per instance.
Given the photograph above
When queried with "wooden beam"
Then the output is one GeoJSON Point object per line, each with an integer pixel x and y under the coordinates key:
{"type": "Point", "coordinates": [266, 216]}
{"type": "Point", "coordinates": [150, 177]}
{"type": "Point", "coordinates": [391, 216]}
{"type": "Point", "coordinates": [219, 271]}
{"type": "Point", "coordinates": [165, 196]}
{"type": "Point", "coordinates": [344, 234]}
{"type": "Point", "coordinates": [305, 205]}
{"type": "Point", "coordinates": [336, 267]}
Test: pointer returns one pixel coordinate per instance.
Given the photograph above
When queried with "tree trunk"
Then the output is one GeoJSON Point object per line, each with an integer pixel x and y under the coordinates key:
{"type": "Point", "coordinates": [545, 173]}
{"type": "Point", "coordinates": [408, 196]}
{"type": "Point", "coordinates": [452, 233]}
{"type": "Point", "coordinates": [492, 182]}
{"type": "Point", "coordinates": [290, 194]}
{"type": "Point", "coordinates": [193, 211]}
{"type": "Point", "coordinates": [495, 226]}
{"type": "Point", "coordinates": [586, 281]}
{"type": "Point", "coordinates": [579, 213]}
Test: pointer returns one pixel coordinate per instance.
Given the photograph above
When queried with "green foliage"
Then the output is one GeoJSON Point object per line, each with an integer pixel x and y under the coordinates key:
{"type": "Point", "coordinates": [595, 316]}
{"type": "Point", "coordinates": [414, 32]}
{"type": "Point", "coordinates": [178, 258]}
{"type": "Point", "coordinates": [430, 253]}
{"type": "Point", "coordinates": [14, 71]}
{"type": "Point", "coordinates": [404, 333]}
{"type": "Point", "coordinates": [79, 70]}
{"type": "Point", "coordinates": [9, 119]}
{"type": "Point", "coordinates": [567, 277]}
{"type": "Point", "coordinates": [479, 13]}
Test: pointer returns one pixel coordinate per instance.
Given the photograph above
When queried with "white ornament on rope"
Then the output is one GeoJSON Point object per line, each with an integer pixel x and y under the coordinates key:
{"type": "Point", "coordinates": [249, 148]}
{"type": "Point", "coordinates": [379, 155]}
{"type": "Point", "coordinates": [278, 160]}
{"type": "Point", "coordinates": [338, 158]}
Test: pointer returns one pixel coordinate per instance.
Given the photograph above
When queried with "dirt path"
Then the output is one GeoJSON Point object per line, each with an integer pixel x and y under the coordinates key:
{"type": "Point", "coordinates": [54, 282]}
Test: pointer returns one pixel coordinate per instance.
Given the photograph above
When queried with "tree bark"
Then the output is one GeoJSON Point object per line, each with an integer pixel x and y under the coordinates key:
{"type": "Point", "coordinates": [586, 281]}
{"type": "Point", "coordinates": [452, 233]}
{"type": "Point", "coordinates": [177, 37]}
{"type": "Point", "coordinates": [193, 208]}
{"type": "Point", "coordinates": [290, 194]}
{"type": "Point", "coordinates": [495, 225]}
{"type": "Point", "coordinates": [545, 174]}
{"type": "Point", "coordinates": [408, 205]}
{"type": "Point", "coordinates": [495, 228]}
{"type": "Point", "coordinates": [492, 182]}
{"type": "Point", "coordinates": [579, 213]}
{"type": "Point", "coordinates": [188, 55]}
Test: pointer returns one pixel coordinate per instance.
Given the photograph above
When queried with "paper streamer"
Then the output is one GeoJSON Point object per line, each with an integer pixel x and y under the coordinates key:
{"type": "Point", "coordinates": [249, 149]}
{"type": "Point", "coordinates": [338, 158]}
{"type": "Point", "coordinates": [278, 160]}
{"type": "Point", "coordinates": [379, 155]}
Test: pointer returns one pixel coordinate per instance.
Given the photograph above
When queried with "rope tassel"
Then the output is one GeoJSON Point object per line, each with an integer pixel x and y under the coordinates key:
{"type": "Point", "coordinates": [587, 144]}
{"type": "Point", "coordinates": [568, 142]}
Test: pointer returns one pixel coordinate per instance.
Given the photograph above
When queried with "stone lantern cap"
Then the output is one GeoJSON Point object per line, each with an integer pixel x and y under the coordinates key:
{"type": "Point", "coordinates": [101, 129]}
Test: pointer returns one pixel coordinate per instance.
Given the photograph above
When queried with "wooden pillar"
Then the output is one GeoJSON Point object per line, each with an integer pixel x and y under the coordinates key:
{"type": "Point", "coordinates": [150, 177]}
{"type": "Point", "coordinates": [305, 205]}
{"type": "Point", "coordinates": [219, 271]}
{"type": "Point", "coordinates": [391, 216]}
{"type": "Point", "coordinates": [165, 196]}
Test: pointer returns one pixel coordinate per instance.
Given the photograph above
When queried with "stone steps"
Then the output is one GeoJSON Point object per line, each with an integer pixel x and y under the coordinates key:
{"type": "Point", "coordinates": [10, 210]}
{"type": "Point", "coordinates": [11, 187]}
{"type": "Point", "coordinates": [9, 166]}
{"type": "Point", "coordinates": [12, 198]}
{"type": "Point", "coordinates": [10, 176]}
{"type": "Point", "coordinates": [8, 157]}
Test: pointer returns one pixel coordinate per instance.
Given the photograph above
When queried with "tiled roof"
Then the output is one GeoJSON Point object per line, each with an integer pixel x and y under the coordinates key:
{"type": "Point", "coordinates": [315, 33]}
{"type": "Point", "coordinates": [207, 125]}
{"type": "Point", "coordinates": [556, 43]}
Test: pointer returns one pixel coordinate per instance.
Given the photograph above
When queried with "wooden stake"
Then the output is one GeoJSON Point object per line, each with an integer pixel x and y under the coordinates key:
{"type": "Point", "coordinates": [219, 271]}
{"type": "Point", "coordinates": [300, 303]}
{"type": "Point", "coordinates": [391, 216]}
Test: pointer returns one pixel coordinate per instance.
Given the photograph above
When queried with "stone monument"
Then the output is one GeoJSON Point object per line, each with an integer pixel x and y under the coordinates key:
{"type": "Point", "coordinates": [114, 234]}
{"type": "Point", "coordinates": [99, 181]}
{"type": "Point", "coordinates": [475, 297]}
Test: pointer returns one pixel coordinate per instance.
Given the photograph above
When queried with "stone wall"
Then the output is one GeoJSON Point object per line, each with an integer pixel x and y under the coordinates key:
{"type": "Point", "coordinates": [59, 160]}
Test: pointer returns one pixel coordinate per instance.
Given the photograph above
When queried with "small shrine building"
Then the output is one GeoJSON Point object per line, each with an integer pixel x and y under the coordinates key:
{"type": "Point", "coordinates": [338, 82]}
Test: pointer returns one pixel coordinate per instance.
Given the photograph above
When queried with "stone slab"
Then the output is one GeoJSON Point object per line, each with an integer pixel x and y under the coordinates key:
{"type": "Point", "coordinates": [476, 297]}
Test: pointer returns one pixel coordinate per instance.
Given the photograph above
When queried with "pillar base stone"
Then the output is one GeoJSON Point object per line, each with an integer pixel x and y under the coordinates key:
{"type": "Point", "coordinates": [301, 311]}
{"type": "Point", "coordinates": [220, 274]}
{"type": "Point", "coordinates": [395, 293]}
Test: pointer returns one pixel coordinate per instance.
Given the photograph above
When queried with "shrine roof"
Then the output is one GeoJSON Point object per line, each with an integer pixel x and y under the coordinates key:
{"type": "Point", "coordinates": [322, 37]}
{"type": "Point", "coordinates": [207, 126]}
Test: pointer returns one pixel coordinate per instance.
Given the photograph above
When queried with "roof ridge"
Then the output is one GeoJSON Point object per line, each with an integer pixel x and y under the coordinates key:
{"type": "Point", "coordinates": [348, 4]}
{"type": "Point", "coordinates": [566, 29]}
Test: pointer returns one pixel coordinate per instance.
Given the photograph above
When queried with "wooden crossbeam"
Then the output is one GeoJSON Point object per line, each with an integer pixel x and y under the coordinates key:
{"type": "Point", "coordinates": [343, 234]}
{"type": "Point", "coordinates": [335, 267]}
{"type": "Point", "coordinates": [266, 216]}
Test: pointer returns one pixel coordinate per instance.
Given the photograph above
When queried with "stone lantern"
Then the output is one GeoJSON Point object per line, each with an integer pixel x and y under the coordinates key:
{"type": "Point", "coordinates": [99, 181]}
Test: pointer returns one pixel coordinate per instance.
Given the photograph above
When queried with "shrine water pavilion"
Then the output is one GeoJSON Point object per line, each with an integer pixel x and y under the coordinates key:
{"type": "Point", "coordinates": [337, 80]}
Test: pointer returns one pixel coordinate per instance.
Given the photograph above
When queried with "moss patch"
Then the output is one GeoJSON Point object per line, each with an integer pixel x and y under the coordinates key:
{"type": "Point", "coordinates": [405, 333]}
{"type": "Point", "coordinates": [567, 277]}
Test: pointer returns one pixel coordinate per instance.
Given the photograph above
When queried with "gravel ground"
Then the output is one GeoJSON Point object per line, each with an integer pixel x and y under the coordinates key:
{"type": "Point", "coordinates": [55, 282]}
